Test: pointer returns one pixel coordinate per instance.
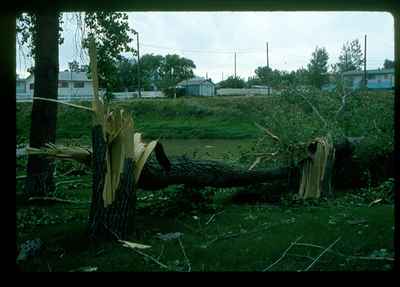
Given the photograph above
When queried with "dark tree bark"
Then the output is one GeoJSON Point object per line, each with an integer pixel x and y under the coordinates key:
{"type": "Point", "coordinates": [201, 173]}
{"type": "Point", "coordinates": [44, 114]}
{"type": "Point", "coordinates": [117, 220]}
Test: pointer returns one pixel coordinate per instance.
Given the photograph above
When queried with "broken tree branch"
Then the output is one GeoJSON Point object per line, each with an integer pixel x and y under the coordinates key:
{"type": "Point", "coordinates": [184, 254]}
{"type": "Point", "coordinates": [314, 109]}
{"type": "Point", "coordinates": [274, 137]}
{"type": "Point", "coordinates": [63, 103]}
{"type": "Point", "coordinates": [322, 253]}
{"type": "Point", "coordinates": [348, 257]}
{"type": "Point", "coordinates": [56, 199]}
{"type": "Point", "coordinates": [283, 254]}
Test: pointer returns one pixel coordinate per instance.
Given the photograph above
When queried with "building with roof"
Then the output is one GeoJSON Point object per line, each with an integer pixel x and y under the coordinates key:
{"type": "Point", "coordinates": [379, 79]}
{"type": "Point", "coordinates": [197, 86]}
{"type": "Point", "coordinates": [71, 86]}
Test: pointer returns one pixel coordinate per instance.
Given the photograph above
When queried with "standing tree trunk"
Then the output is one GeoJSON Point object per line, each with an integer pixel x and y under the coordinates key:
{"type": "Point", "coordinates": [112, 208]}
{"type": "Point", "coordinates": [44, 114]}
{"type": "Point", "coordinates": [115, 220]}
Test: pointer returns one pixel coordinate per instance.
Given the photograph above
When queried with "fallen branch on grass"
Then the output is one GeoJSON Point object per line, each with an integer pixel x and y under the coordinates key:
{"type": "Point", "coordinates": [56, 199]}
{"type": "Point", "coordinates": [21, 177]}
{"type": "Point", "coordinates": [274, 137]}
{"type": "Point", "coordinates": [69, 181]}
{"type": "Point", "coordinates": [151, 258]}
{"type": "Point", "coordinates": [233, 235]}
{"type": "Point", "coordinates": [212, 217]}
{"type": "Point", "coordinates": [184, 254]}
{"type": "Point", "coordinates": [322, 253]}
{"type": "Point", "coordinates": [348, 257]}
{"type": "Point", "coordinates": [283, 254]}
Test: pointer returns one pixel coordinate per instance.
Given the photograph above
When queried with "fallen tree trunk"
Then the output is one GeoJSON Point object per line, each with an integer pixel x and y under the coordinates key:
{"type": "Point", "coordinates": [202, 173]}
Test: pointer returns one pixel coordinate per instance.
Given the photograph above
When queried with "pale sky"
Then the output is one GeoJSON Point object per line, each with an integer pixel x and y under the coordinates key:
{"type": "Point", "coordinates": [211, 38]}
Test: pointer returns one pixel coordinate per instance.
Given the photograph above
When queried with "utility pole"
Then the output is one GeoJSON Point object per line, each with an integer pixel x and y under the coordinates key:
{"type": "Point", "coordinates": [365, 61]}
{"type": "Point", "coordinates": [268, 69]}
{"type": "Point", "coordinates": [235, 65]}
{"type": "Point", "coordinates": [138, 58]}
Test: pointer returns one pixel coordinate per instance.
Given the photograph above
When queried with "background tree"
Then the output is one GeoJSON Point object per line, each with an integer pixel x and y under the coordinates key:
{"type": "Point", "coordinates": [318, 68]}
{"type": "Point", "coordinates": [41, 32]}
{"type": "Point", "coordinates": [253, 81]}
{"type": "Point", "coordinates": [175, 69]}
{"type": "Point", "coordinates": [150, 67]}
{"type": "Point", "coordinates": [113, 36]}
{"type": "Point", "coordinates": [301, 76]}
{"type": "Point", "coordinates": [126, 75]}
{"type": "Point", "coordinates": [232, 82]}
{"type": "Point", "coordinates": [265, 75]}
{"type": "Point", "coordinates": [388, 64]}
{"type": "Point", "coordinates": [74, 66]}
{"type": "Point", "coordinates": [351, 58]}
{"type": "Point", "coordinates": [156, 72]}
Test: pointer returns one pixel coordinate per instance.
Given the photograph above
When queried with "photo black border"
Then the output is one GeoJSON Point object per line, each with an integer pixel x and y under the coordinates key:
{"type": "Point", "coordinates": [8, 61]}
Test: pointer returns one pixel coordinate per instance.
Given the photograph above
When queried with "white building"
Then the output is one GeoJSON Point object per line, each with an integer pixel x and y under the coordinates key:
{"type": "Point", "coordinates": [71, 86]}
{"type": "Point", "coordinates": [74, 86]}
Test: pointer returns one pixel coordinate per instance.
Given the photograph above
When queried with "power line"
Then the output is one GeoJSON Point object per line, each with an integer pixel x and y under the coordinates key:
{"type": "Point", "coordinates": [225, 51]}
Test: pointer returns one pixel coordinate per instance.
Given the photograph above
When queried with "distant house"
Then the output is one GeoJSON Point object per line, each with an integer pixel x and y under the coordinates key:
{"type": "Point", "coordinates": [75, 86]}
{"type": "Point", "coordinates": [21, 86]}
{"type": "Point", "coordinates": [71, 86]}
{"type": "Point", "coordinates": [197, 86]}
{"type": "Point", "coordinates": [381, 79]}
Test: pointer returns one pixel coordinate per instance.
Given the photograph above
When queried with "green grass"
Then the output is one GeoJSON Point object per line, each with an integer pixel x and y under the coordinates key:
{"type": "Point", "coordinates": [239, 238]}
{"type": "Point", "coordinates": [180, 119]}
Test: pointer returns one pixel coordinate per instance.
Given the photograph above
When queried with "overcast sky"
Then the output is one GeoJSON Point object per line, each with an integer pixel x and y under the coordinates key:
{"type": "Point", "coordinates": [211, 38]}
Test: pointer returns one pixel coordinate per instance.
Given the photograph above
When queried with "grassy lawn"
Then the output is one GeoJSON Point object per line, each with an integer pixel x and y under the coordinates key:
{"type": "Point", "coordinates": [226, 237]}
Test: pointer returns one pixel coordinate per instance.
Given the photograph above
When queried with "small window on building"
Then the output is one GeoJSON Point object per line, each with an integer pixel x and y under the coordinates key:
{"type": "Point", "coordinates": [63, 84]}
{"type": "Point", "coordinates": [79, 84]}
{"type": "Point", "coordinates": [371, 77]}
{"type": "Point", "coordinates": [31, 86]}
{"type": "Point", "coordinates": [386, 76]}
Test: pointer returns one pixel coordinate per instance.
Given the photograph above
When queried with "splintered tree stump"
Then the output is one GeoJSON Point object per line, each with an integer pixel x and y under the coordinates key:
{"type": "Point", "coordinates": [115, 221]}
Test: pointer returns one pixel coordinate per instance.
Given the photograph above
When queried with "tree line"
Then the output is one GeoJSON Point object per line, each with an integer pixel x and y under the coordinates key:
{"type": "Point", "coordinates": [317, 73]}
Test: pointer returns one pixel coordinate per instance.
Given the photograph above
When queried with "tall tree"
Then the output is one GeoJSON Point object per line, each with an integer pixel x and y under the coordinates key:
{"type": "Point", "coordinates": [126, 75]}
{"type": "Point", "coordinates": [351, 57]}
{"type": "Point", "coordinates": [232, 82]}
{"type": "Point", "coordinates": [264, 74]}
{"type": "Point", "coordinates": [318, 68]}
{"type": "Point", "coordinates": [44, 28]}
{"type": "Point", "coordinates": [268, 77]}
{"type": "Point", "coordinates": [113, 36]}
{"type": "Point", "coordinates": [175, 69]}
{"type": "Point", "coordinates": [301, 76]}
{"type": "Point", "coordinates": [150, 67]}
{"type": "Point", "coordinates": [75, 67]}
{"type": "Point", "coordinates": [388, 64]}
